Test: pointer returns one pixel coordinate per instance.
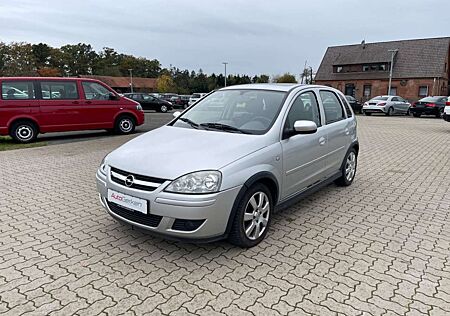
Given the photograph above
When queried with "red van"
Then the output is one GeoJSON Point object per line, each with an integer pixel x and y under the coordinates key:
{"type": "Point", "coordinates": [29, 106]}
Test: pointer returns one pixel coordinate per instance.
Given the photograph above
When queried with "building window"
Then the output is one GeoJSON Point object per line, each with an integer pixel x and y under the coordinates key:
{"type": "Point", "coordinates": [393, 91]}
{"type": "Point", "coordinates": [367, 91]}
{"type": "Point", "coordinates": [423, 91]}
{"type": "Point", "coordinates": [339, 69]}
{"type": "Point", "coordinates": [366, 67]}
{"type": "Point", "coordinates": [382, 67]}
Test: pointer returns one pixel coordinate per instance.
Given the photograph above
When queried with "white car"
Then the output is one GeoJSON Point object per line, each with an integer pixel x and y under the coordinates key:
{"type": "Point", "coordinates": [195, 97]}
{"type": "Point", "coordinates": [446, 115]}
{"type": "Point", "coordinates": [387, 104]}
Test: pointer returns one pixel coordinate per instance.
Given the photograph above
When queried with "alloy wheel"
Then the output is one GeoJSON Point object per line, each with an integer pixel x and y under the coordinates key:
{"type": "Point", "coordinates": [350, 166]}
{"type": "Point", "coordinates": [256, 215]}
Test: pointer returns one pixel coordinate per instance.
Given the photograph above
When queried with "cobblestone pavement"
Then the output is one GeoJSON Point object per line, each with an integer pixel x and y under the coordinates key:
{"type": "Point", "coordinates": [379, 247]}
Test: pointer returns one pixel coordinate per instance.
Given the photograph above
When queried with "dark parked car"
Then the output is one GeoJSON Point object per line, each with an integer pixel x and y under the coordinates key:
{"type": "Point", "coordinates": [429, 106]}
{"type": "Point", "coordinates": [180, 101]}
{"type": "Point", "coordinates": [149, 102]}
{"type": "Point", "coordinates": [355, 104]}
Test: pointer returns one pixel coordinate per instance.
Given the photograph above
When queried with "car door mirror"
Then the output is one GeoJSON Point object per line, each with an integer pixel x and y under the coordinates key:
{"type": "Point", "coordinates": [305, 127]}
{"type": "Point", "coordinates": [176, 114]}
{"type": "Point", "coordinates": [113, 97]}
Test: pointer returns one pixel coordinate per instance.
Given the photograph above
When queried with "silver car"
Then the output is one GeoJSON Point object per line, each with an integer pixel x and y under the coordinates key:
{"type": "Point", "coordinates": [222, 167]}
{"type": "Point", "coordinates": [387, 104]}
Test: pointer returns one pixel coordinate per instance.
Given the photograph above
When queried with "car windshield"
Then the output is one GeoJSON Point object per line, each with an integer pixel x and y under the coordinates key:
{"type": "Point", "coordinates": [380, 99]}
{"type": "Point", "coordinates": [236, 111]}
{"type": "Point", "coordinates": [430, 99]}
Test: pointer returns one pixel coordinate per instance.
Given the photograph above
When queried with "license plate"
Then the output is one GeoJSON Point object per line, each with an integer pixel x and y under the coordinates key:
{"type": "Point", "coordinates": [128, 201]}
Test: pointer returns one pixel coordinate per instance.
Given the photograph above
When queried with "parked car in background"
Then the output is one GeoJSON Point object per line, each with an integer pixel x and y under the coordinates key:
{"type": "Point", "coordinates": [355, 104]}
{"type": "Point", "coordinates": [195, 97]}
{"type": "Point", "coordinates": [429, 106]}
{"type": "Point", "coordinates": [265, 147]}
{"type": "Point", "coordinates": [387, 104]}
{"type": "Point", "coordinates": [29, 106]}
{"type": "Point", "coordinates": [149, 102]}
{"type": "Point", "coordinates": [180, 101]}
{"type": "Point", "coordinates": [168, 96]}
{"type": "Point", "coordinates": [446, 115]}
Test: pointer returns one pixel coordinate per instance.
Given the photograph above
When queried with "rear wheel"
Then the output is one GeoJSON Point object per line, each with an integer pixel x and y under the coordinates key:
{"type": "Point", "coordinates": [416, 114]}
{"type": "Point", "coordinates": [163, 108]}
{"type": "Point", "coordinates": [253, 217]}
{"type": "Point", "coordinates": [24, 131]}
{"type": "Point", "coordinates": [441, 113]}
{"type": "Point", "coordinates": [349, 169]}
{"type": "Point", "coordinates": [125, 125]}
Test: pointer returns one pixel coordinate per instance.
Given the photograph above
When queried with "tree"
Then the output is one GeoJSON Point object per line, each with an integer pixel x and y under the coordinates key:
{"type": "Point", "coordinates": [77, 59]}
{"type": "Point", "coordinates": [165, 83]}
{"type": "Point", "coordinates": [18, 60]}
{"type": "Point", "coordinates": [286, 78]}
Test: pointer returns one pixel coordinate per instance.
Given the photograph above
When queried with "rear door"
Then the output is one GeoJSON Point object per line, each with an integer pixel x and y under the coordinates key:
{"type": "Point", "coordinates": [337, 128]}
{"type": "Point", "coordinates": [18, 98]}
{"type": "Point", "coordinates": [60, 108]}
{"type": "Point", "coordinates": [99, 111]}
{"type": "Point", "coordinates": [303, 155]}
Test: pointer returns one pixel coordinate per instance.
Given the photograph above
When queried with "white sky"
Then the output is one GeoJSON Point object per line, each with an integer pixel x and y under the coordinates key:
{"type": "Point", "coordinates": [254, 36]}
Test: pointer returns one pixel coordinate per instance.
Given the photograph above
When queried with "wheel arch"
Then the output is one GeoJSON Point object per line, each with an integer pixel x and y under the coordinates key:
{"type": "Point", "coordinates": [21, 119]}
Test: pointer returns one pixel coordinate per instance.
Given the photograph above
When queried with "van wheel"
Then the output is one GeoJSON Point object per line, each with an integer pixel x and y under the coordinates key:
{"type": "Point", "coordinates": [125, 125]}
{"type": "Point", "coordinates": [24, 132]}
{"type": "Point", "coordinates": [348, 170]}
{"type": "Point", "coordinates": [253, 217]}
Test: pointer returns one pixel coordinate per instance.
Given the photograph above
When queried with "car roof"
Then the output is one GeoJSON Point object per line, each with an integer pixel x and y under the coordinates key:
{"type": "Point", "coordinates": [47, 78]}
{"type": "Point", "coordinates": [283, 87]}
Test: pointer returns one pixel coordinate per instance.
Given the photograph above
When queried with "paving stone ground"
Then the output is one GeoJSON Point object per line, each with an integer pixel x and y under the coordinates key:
{"type": "Point", "coordinates": [379, 247]}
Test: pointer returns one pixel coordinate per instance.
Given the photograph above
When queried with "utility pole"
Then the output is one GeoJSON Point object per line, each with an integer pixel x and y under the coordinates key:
{"type": "Point", "coordinates": [131, 79]}
{"type": "Point", "coordinates": [225, 64]}
{"type": "Point", "coordinates": [393, 53]}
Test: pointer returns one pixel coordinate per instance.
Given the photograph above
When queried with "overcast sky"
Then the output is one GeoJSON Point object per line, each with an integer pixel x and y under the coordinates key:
{"type": "Point", "coordinates": [254, 36]}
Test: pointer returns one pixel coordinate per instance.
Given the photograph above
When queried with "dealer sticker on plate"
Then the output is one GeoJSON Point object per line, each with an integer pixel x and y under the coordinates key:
{"type": "Point", "coordinates": [130, 202]}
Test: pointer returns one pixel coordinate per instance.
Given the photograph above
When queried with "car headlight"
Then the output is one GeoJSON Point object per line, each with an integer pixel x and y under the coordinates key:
{"type": "Point", "coordinates": [139, 107]}
{"type": "Point", "coordinates": [102, 167]}
{"type": "Point", "coordinates": [196, 183]}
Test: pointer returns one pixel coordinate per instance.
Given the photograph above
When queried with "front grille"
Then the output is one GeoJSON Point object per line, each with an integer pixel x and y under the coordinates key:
{"type": "Point", "coordinates": [137, 217]}
{"type": "Point", "coordinates": [187, 225]}
{"type": "Point", "coordinates": [141, 182]}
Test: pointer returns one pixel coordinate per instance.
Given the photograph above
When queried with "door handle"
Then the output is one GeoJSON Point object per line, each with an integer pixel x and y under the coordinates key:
{"type": "Point", "coordinates": [347, 131]}
{"type": "Point", "coordinates": [322, 141]}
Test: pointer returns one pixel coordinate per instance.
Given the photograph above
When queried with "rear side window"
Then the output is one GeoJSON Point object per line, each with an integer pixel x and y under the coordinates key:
{"type": "Point", "coordinates": [59, 90]}
{"type": "Point", "coordinates": [95, 91]}
{"type": "Point", "coordinates": [18, 90]}
{"type": "Point", "coordinates": [332, 107]}
{"type": "Point", "coordinates": [347, 108]}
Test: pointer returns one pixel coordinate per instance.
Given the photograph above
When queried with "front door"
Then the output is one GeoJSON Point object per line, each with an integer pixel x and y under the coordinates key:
{"type": "Point", "coordinates": [99, 110]}
{"type": "Point", "coordinates": [303, 155]}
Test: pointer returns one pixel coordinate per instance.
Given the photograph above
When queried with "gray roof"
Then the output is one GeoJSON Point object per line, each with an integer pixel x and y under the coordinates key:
{"type": "Point", "coordinates": [420, 58]}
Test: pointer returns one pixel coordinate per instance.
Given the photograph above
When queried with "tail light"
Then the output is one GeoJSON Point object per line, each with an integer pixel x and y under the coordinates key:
{"type": "Point", "coordinates": [447, 103]}
{"type": "Point", "coordinates": [413, 105]}
{"type": "Point", "coordinates": [381, 104]}
{"type": "Point", "coordinates": [430, 104]}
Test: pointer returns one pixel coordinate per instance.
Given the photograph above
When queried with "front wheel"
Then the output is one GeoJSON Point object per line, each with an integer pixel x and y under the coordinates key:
{"type": "Point", "coordinates": [416, 114]}
{"type": "Point", "coordinates": [390, 111]}
{"type": "Point", "coordinates": [24, 132]}
{"type": "Point", "coordinates": [124, 125]}
{"type": "Point", "coordinates": [163, 108]}
{"type": "Point", "coordinates": [349, 169]}
{"type": "Point", "coordinates": [253, 217]}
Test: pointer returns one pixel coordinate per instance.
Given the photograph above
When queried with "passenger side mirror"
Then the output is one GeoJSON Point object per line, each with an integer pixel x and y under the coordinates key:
{"type": "Point", "coordinates": [305, 127]}
{"type": "Point", "coordinates": [176, 114]}
{"type": "Point", "coordinates": [113, 97]}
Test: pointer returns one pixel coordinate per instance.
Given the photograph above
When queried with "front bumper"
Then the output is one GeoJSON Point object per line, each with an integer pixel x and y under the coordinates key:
{"type": "Point", "coordinates": [374, 109]}
{"type": "Point", "coordinates": [168, 212]}
{"type": "Point", "coordinates": [446, 117]}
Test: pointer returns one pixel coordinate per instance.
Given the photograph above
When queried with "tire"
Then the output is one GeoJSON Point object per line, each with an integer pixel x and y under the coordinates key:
{"type": "Point", "coordinates": [24, 131]}
{"type": "Point", "coordinates": [407, 113]}
{"type": "Point", "coordinates": [348, 169]}
{"type": "Point", "coordinates": [390, 111]}
{"type": "Point", "coordinates": [416, 114]}
{"type": "Point", "coordinates": [441, 113]}
{"type": "Point", "coordinates": [124, 125]}
{"type": "Point", "coordinates": [163, 108]}
{"type": "Point", "coordinates": [248, 213]}
{"type": "Point", "coordinates": [367, 113]}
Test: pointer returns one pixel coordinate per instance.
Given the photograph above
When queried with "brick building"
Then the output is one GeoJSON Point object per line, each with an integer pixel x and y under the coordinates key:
{"type": "Point", "coordinates": [420, 68]}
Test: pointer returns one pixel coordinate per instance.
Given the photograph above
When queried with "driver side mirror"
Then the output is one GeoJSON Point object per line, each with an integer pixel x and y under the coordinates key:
{"type": "Point", "coordinates": [176, 114]}
{"type": "Point", "coordinates": [113, 97]}
{"type": "Point", "coordinates": [305, 127]}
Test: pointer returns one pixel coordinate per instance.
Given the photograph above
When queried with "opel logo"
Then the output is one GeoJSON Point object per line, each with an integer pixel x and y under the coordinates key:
{"type": "Point", "coordinates": [129, 180]}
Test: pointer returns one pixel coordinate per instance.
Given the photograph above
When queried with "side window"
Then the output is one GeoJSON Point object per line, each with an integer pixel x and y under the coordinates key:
{"type": "Point", "coordinates": [95, 91]}
{"type": "Point", "coordinates": [305, 107]}
{"type": "Point", "coordinates": [59, 90]}
{"type": "Point", "coordinates": [332, 107]}
{"type": "Point", "coordinates": [18, 90]}
{"type": "Point", "coordinates": [395, 99]}
{"type": "Point", "coordinates": [347, 108]}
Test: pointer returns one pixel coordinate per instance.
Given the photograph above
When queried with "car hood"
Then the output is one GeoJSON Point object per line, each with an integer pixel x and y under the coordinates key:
{"type": "Point", "coordinates": [170, 152]}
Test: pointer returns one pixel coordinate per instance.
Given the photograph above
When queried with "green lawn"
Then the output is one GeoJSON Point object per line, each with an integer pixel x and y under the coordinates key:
{"type": "Point", "coordinates": [6, 143]}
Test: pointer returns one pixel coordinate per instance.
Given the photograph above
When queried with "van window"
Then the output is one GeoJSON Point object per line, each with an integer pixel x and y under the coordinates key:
{"type": "Point", "coordinates": [18, 90]}
{"type": "Point", "coordinates": [59, 90]}
{"type": "Point", "coordinates": [95, 91]}
{"type": "Point", "coordinates": [332, 107]}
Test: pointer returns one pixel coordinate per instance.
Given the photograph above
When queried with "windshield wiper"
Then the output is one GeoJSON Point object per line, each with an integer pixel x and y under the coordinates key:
{"type": "Point", "coordinates": [186, 120]}
{"type": "Point", "coordinates": [224, 127]}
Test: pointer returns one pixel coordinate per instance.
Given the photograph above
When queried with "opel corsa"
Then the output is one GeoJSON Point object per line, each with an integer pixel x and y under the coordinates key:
{"type": "Point", "coordinates": [222, 167]}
